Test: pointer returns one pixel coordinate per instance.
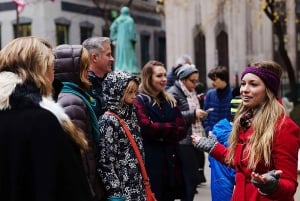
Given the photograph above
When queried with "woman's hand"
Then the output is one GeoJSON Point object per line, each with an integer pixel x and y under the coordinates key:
{"type": "Point", "coordinates": [206, 144]}
{"type": "Point", "coordinates": [200, 114]}
{"type": "Point", "coordinates": [266, 183]}
{"type": "Point", "coordinates": [195, 139]}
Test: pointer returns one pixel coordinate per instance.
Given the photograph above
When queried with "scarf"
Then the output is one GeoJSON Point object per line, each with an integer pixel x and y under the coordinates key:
{"type": "Point", "coordinates": [193, 103]}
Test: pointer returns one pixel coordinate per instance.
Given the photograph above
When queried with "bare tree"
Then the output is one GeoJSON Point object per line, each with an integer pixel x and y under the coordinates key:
{"type": "Point", "coordinates": [278, 20]}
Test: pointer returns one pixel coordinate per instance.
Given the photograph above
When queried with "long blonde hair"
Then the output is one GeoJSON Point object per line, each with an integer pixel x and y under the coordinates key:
{"type": "Point", "coordinates": [264, 123]}
{"type": "Point", "coordinates": [146, 84]}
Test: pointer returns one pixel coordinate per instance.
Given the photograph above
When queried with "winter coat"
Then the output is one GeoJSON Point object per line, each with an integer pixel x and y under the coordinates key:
{"type": "Point", "coordinates": [117, 163]}
{"type": "Point", "coordinates": [188, 155]}
{"type": "Point", "coordinates": [188, 115]}
{"type": "Point", "coordinates": [71, 98]}
{"type": "Point", "coordinates": [222, 176]}
{"type": "Point", "coordinates": [96, 92]}
{"type": "Point", "coordinates": [39, 161]}
{"type": "Point", "coordinates": [284, 151]}
{"type": "Point", "coordinates": [219, 100]}
{"type": "Point", "coordinates": [162, 127]}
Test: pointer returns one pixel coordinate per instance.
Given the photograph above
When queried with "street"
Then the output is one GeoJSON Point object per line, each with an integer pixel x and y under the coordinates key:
{"type": "Point", "coordinates": [204, 190]}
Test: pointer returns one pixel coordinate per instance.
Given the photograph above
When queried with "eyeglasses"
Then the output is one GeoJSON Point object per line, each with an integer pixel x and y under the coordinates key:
{"type": "Point", "coordinates": [193, 81]}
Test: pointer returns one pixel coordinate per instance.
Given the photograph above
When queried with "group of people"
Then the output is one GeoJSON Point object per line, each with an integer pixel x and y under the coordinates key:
{"type": "Point", "coordinates": [62, 136]}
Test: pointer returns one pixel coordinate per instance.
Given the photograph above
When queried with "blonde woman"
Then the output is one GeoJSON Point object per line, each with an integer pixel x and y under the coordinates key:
{"type": "Point", "coordinates": [39, 146]}
{"type": "Point", "coordinates": [264, 141]}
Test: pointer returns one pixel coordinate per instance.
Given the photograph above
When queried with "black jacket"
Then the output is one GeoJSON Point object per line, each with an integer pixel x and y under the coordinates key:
{"type": "Point", "coordinates": [38, 159]}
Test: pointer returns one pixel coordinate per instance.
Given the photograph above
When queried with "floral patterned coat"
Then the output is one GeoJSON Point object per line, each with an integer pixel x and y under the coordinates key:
{"type": "Point", "coordinates": [117, 163]}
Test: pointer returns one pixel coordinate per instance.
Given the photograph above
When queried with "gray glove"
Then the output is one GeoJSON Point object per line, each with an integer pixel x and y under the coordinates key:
{"type": "Point", "coordinates": [207, 144]}
{"type": "Point", "coordinates": [271, 185]}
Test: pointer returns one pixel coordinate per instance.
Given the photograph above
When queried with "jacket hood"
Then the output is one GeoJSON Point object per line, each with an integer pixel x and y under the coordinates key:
{"type": "Point", "coordinates": [67, 63]}
{"type": "Point", "coordinates": [114, 85]}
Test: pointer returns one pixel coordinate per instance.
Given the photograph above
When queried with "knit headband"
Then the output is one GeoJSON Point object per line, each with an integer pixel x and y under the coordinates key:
{"type": "Point", "coordinates": [271, 80]}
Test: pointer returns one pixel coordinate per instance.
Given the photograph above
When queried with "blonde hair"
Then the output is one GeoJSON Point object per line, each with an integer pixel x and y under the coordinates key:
{"type": "Point", "coordinates": [264, 122]}
{"type": "Point", "coordinates": [146, 83]}
{"type": "Point", "coordinates": [84, 66]}
{"type": "Point", "coordinates": [30, 58]}
{"type": "Point", "coordinates": [132, 86]}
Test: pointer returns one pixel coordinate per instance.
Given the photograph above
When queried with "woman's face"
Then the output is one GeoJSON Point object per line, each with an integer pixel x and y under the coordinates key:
{"type": "Point", "coordinates": [253, 91]}
{"type": "Point", "coordinates": [191, 81]}
{"type": "Point", "coordinates": [159, 79]}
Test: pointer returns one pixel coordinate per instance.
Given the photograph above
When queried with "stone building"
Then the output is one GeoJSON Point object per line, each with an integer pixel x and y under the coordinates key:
{"type": "Point", "coordinates": [72, 21]}
{"type": "Point", "coordinates": [228, 32]}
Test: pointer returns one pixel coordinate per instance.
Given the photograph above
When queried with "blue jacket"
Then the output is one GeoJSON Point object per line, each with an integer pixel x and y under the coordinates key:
{"type": "Point", "coordinates": [219, 99]}
{"type": "Point", "coordinates": [222, 177]}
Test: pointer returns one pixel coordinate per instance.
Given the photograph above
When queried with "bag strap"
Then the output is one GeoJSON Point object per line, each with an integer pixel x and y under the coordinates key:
{"type": "Point", "coordinates": [135, 148]}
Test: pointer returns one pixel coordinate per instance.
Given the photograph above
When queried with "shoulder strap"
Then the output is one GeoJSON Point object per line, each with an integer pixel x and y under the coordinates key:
{"type": "Point", "coordinates": [134, 146]}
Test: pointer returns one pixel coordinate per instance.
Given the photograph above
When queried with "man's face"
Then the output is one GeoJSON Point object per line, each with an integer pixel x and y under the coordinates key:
{"type": "Point", "coordinates": [105, 60]}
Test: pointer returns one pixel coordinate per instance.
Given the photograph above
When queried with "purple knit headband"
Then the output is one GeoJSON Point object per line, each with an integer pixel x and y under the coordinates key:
{"type": "Point", "coordinates": [271, 80]}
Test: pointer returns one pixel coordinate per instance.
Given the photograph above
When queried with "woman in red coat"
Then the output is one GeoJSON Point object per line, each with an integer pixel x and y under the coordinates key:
{"type": "Point", "coordinates": [264, 141]}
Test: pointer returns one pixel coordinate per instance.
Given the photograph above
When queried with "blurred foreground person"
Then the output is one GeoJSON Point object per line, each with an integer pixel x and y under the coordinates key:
{"type": "Point", "coordinates": [39, 146]}
{"type": "Point", "coordinates": [264, 142]}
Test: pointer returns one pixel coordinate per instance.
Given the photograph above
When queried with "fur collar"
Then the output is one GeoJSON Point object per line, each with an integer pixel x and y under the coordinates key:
{"type": "Point", "coordinates": [14, 94]}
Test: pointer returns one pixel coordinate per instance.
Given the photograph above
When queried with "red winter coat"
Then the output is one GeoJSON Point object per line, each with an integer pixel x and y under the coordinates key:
{"type": "Point", "coordinates": [284, 156]}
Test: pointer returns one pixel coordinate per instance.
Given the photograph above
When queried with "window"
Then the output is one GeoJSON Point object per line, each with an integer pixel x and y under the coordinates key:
{"type": "Point", "coordinates": [22, 27]}
{"type": "Point", "coordinates": [160, 46]}
{"type": "Point", "coordinates": [62, 30]}
{"type": "Point", "coordinates": [145, 41]}
{"type": "Point", "coordinates": [86, 30]}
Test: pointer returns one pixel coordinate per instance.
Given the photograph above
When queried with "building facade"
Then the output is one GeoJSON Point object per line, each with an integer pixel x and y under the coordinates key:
{"type": "Point", "coordinates": [72, 21]}
{"type": "Point", "coordinates": [232, 33]}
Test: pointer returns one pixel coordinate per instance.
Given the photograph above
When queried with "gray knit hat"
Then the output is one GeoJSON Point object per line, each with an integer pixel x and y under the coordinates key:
{"type": "Point", "coordinates": [185, 71]}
